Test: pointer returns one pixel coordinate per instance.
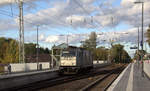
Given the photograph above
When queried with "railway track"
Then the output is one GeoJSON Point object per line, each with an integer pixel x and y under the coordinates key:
{"type": "Point", "coordinates": [55, 84]}
{"type": "Point", "coordinates": [91, 86]}
{"type": "Point", "coordinates": [82, 83]}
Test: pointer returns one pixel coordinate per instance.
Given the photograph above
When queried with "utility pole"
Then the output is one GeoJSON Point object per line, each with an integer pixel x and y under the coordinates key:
{"type": "Point", "coordinates": [67, 39]}
{"type": "Point", "coordinates": [140, 2]}
{"type": "Point", "coordinates": [52, 62]}
{"type": "Point", "coordinates": [142, 27]}
{"type": "Point", "coordinates": [68, 33]}
{"type": "Point", "coordinates": [37, 58]}
{"type": "Point", "coordinates": [109, 56]}
{"type": "Point", "coordinates": [142, 40]}
{"type": "Point", "coordinates": [138, 48]}
{"type": "Point", "coordinates": [138, 39]}
{"type": "Point", "coordinates": [21, 33]}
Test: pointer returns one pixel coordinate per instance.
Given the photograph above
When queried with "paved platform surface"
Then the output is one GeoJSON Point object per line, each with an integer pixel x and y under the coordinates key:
{"type": "Point", "coordinates": [26, 73]}
{"type": "Point", "coordinates": [11, 75]}
{"type": "Point", "coordinates": [131, 80]}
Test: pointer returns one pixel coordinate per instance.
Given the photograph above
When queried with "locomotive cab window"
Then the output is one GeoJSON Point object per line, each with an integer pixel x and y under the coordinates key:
{"type": "Point", "coordinates": [68, 54]}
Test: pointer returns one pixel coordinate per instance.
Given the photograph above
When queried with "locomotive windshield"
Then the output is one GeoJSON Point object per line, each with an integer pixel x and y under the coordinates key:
{"type": "Point", "coordinates": [68, 54]}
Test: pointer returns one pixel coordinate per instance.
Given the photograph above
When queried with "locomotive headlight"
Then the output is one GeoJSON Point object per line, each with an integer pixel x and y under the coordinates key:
{"type": "Point", "coordinates": [72, 63]}
{"type": "Point", "coordinates": [62, 63]}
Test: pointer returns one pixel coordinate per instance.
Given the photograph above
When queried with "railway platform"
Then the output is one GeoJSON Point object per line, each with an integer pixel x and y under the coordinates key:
{"type": "Point", "coordinates": [132, 78]}
{"type": "Point", "coordinates": [7, 81]}
{"type": "Point", "coordinates": [24, 78]}
{"type": "Point", "coordinates": [18, 74]}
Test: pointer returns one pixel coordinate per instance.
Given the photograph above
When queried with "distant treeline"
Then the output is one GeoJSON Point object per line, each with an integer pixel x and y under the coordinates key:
{"type": "Point", "coordinates": [9, 50]}
{"type": "Point", "coordinates": [116, 53]}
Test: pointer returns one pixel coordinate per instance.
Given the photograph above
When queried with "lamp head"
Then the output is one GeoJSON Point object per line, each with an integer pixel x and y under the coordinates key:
{"type": "Point", "coordinates": [138, 2]}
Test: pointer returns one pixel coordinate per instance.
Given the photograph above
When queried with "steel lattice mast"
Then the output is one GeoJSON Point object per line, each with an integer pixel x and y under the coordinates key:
{"type": "Point", "coordinates": [21, 33]}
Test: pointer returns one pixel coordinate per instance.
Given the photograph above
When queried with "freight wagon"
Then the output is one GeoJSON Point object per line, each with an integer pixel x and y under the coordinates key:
{"type": "Point", "coordinates": [74, 60]}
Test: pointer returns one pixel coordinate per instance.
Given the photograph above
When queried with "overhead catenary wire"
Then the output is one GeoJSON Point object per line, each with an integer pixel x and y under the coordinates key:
{"type": "Point", "coordinates": [12, 14]}
{"type": "Point", "coordinates": [39, 16]}
{"type": "Point", "coordinates": [53, 16]}
{"type": "Point", "coordinates": [11, 8]}
{"type": "Point", "coordinates": [96, 26]}
{"type": "Point", "coordinates": [9, 14]}
{"type": "Point", "coordinates": [57, 21]}
{"type": "Point", "coordinates": [30, 22]}
{"type": "Point", "coordinates": [2, 13]}
{"type": "Point", "coordinates": [60, 22]}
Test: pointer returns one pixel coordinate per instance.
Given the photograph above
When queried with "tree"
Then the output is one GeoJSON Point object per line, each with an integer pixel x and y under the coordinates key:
{"type": "Point", "coordinates": [118, 54]}
{"type": "Point", "coordinates": [30, 49]}
{"type": "Point", "coordinates": [91, 42]}
{"type": "Point", "coordinates": [47, 51]}
{"type": "Point", "coordinates": [9, 50]}
{"type": "Point", "coordinates": [138, 55]}
{"type": "Point", "coordinates": [101, 53]}
{"type": "Point", "coordinates": [148, 35]}
{"type": "Point", "coordinates": [12, 54]}
{"type": "Point", "coordinates": [2, 49]}
{"type": "Point", "coordinates": [125, 58]}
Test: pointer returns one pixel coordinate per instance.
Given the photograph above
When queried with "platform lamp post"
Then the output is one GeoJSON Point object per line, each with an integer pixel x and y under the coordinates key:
{"type": "Point", "coordinates": [140, 2]}
{"type": "Point", "coordinates": [37, 52]}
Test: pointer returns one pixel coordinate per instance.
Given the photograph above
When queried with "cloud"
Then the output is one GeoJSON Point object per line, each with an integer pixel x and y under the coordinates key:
{"type": "Point", "coordinates": [127, 3]}
{"type": "Point", "coordinates": [7, 2]}
{"type": "Point", "coordinates": [127, 12]}
{"type": "Point", "coordinates": [52, 39]}
{"type": "Point", "coordinates": [41, 37]}
{"type": "Point", "coordinates": [125, 36]}
{"type": "Point", "coordinates": [58, 39]}
{"type": "Point", "coordinates": [6, 24]}
{"type": "Point", "coordinates": [61, 13]}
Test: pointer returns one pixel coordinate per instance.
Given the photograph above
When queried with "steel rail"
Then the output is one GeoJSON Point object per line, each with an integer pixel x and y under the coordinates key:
{"type": "Point", "coordinates": [98, 81]}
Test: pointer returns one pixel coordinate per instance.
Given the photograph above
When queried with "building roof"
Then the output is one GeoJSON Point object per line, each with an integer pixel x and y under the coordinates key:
{"type": "Point", "coordinates": [61, 46]}
{"type": "Point", "coordinates": [65, 46]}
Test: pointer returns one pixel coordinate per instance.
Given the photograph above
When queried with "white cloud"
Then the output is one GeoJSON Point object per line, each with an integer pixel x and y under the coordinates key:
{"type": "Point", "coordinates": [127, 3]}
{"type": "Point", "coordinates": [58, 39]}
{"type": "Point", "coordinates": [7, 2]}
{"type": "Point", "coordinates": [75, 18]}
{"type": "Point", "coordinates": [6, 24]}
{"type": "Point", "coordinates": [52, 39]}
{"type": "Point", "coordinates": [41, 37]}
{"type": "Point", "coordinates": [125, 36]}
{"type": "Point", "coordinates": [87, 1]}
{"type": "Point", "coordinates": [4, 2]}
{"type": "Point", "coordinates": [127, 12]}
{"type": "Point", "coordinates": [61, 13]}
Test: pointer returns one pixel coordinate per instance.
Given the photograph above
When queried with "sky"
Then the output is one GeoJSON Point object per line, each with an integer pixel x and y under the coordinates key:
{"type": "Point", "coordinates": [116, 20]}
